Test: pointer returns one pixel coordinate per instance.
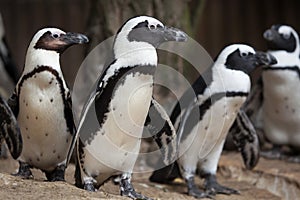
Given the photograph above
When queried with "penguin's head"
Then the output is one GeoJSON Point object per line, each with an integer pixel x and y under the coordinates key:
{"type": "Point", "coordinates": [281, 37]}
{"type": "Point", "coordinates": [53, 39]}
{"type": "Point", "coordinates": [145, 32]}
{"type": "Point", "coordinates": [244, 58]}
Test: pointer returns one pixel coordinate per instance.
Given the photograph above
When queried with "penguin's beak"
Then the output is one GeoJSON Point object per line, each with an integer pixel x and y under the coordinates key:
{"type": "Point", "coordinates": [174, 34]}
{"type": "Point", "coordinates": [74, 38]}
{"type": "Point", "coordinates": [263, 58]}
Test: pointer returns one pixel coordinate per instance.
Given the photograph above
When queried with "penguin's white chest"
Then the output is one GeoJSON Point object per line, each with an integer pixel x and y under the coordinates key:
{"type": "Point", "coordinates": [281, 106]}
{"type": "Point", "coordinates": [121, 133]}
{"type": "Point", "coordinates": [210, 132]}
{"type": "Point", "coordinates": [46, 138]}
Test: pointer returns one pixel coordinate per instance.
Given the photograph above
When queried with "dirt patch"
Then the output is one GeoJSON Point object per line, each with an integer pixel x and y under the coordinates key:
{"type": "Point", "coordinates": [231, 174]}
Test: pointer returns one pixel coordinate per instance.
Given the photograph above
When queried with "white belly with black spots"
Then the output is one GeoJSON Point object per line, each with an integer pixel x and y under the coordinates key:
{"type": "Point", "coordinates": [117, 144]}
{"type": "Point", "coordinates": [281, 107]}
{"type": "Point", "coordinates": [43, 126]}
{"type": "Point", "coordinates": [207, 138]}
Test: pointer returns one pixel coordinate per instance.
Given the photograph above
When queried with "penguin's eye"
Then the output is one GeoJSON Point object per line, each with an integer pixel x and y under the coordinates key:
{"type": "Point", "coordinates": [286, 36]}
{"type": "Point", "coordinates": [244, 54]}
{"type": "Point", "coordinates": [55, 35]}
{"type": "Point", "coordinates": [152, 27]}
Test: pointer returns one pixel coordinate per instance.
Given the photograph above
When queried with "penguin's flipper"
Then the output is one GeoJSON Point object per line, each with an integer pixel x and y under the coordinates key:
{"type": "Point", "coordinates": [246, 139]}
{"type": "Point", "coordinates": [13, 103]}
{"type": "Point", "coordinates": [88, 122]}
{"type": "Point", "coordinates": [162, 131]}
{"type": "Point", "coordinates": [10, 130]}
{"type": "Point", "coordinates": [71, 126]}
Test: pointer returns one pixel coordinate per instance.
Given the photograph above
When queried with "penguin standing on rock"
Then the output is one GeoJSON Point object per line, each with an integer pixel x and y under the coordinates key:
{"type": "Point", "coordinates": [42, 105]}
{"type": "Point", "coordinates": [275, 102]}
{"type": "Point", "coordinates": [113, 119]}
{"type": "Point", "coordinates": [203, 121]}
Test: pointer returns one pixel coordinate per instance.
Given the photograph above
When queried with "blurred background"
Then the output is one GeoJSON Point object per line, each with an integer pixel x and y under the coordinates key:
{"type": "Point", "coordinates": [213, 23]}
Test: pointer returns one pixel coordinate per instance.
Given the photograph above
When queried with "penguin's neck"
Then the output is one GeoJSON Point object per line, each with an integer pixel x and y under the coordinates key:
{"type": "Point", "coordinates": [41, 57]}
{"type": "Point", "coordinates": [225, 79]}
{"type": "Point", "coordinates": [285, 58]}
{"type": "Point", "coordinates": [133, 53]}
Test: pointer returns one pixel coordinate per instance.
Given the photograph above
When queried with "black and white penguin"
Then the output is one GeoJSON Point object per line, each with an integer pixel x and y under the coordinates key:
{"type": "Point", "coordinates": [274, 106]}
{"type": "Point", "coordinates": [42, 105]}
{"type": "Point", "coordinates": [113, 119]}
{"type": "Point", "coordinates": [10, 131]}
{"type": "Point", "coordinates": [203, 121]}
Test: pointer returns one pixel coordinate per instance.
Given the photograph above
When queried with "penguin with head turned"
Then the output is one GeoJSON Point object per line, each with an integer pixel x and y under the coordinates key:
{"type": "Point", "coordinates": [275, 102]}
{"type": "Point", "coordinates": [41, 103]}
{"type": "Point", "coordinates": [204, 115]}
{"type": "Point", "coordinates": [113, 118]}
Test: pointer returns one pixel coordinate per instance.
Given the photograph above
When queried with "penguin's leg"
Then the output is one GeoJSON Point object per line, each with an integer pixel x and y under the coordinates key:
{"type": "Point", "coordinates": [88, 184]}
{"type": "Point", "coordinates": [24, 171]}
{"type": "Point", "coordinates": [187, 166]}
{"type": "Point", "coordinates": [82, 180]}
{"type": "Point", "coordinates": [58, 174]}
{"type": "Point", "coordinates": [127, 189]}
{"type": "Point", "coordinates": [208, 169]}
{"type": "Point", "coordinates": [193, 189]}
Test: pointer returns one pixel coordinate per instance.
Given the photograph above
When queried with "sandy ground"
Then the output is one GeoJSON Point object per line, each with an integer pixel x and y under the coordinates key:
{"type": "Point", "coordinates": [16, 188]}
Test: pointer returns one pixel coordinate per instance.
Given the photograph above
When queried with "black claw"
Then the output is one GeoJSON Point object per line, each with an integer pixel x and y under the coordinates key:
{"type": "Point", "coordinates": [24, 171]}
{"type": "Point", "coordinates": [58, 174]}
{"type": "Point", "coordinates": [127, 189]}
{"type": "Point", "coordinates": [213, 187]}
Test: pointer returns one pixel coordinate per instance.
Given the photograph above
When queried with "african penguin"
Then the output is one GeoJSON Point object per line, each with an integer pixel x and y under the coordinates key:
{"type": "Point", "coordinates": [278, 93]}
{"type": "Point", "coordinates": [202, 120]}
{"type": "Point", "coordinates": [41, 103]}
{"type": "Point", "coordinates": [113, 118]}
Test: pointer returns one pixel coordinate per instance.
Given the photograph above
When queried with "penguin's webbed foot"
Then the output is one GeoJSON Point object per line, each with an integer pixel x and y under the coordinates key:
{"type": "Point", "coordinates": [213, 187]}
{"type": "Point", "coordinates": [194, 191]}
{"type": "Point", "coordinates": [58, 174]}
{"type": "Point", "coordinates": [128, 190]}
{"type": "Point", "coordinates": [24, 171]}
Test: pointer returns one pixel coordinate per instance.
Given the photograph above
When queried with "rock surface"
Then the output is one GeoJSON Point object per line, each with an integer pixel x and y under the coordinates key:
{"type": "Point", "coordinates": [269, 180]}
